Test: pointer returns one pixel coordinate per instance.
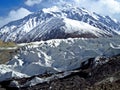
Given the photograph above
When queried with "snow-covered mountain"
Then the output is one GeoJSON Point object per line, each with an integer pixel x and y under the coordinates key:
{"type": "Point", "coordinates": [59, 22]}
{"type": "Point", "coordinates": [60, 28]}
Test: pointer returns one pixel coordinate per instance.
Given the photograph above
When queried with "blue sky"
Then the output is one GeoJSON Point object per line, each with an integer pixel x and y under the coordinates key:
{"type": "Point", "coordinates": [11, 10]}
{"type": "Point", "coordinates": [7, 5]}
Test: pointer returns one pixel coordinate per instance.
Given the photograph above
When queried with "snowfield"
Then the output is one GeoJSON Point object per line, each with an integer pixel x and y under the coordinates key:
{"type": "Point", "coordinates": [56, 55]}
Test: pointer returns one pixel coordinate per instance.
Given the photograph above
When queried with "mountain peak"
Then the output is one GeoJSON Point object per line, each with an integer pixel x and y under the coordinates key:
{"type": "Point", "coordinates": [52, 9]}
{"type": "Point", "coordinates": [64, 7]}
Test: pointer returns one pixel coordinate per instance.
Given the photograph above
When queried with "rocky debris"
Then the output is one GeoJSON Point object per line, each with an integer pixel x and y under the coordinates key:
{"type": "Point", "coordinates": [105, 76]}
{"type": "Point", "coordinates": [106, 70]}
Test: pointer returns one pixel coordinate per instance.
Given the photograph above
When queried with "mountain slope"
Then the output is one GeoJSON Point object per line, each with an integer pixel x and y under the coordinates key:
{"type": "Point", "coordinates": [16, 30]}
{"type": "Point", "coordinates": [63, 28]}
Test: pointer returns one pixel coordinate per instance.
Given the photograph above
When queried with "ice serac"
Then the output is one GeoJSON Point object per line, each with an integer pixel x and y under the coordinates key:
{"type": "Point", "coordinates": [56, 18]}
{"type": "Point", "coordinates": [58, 55]}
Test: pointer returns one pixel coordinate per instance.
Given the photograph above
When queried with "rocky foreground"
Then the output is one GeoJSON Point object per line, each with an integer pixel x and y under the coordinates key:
{"type": "Point", "coordinates": [105, 76]}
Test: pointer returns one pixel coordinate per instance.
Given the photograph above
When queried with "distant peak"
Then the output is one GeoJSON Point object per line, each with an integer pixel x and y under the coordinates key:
{"type": "Point", "coordinates": [62, 6]}
{"type": "Point", "coordinates": [66, 5]}
{"type": "Point", "coordinates": [51, 9]}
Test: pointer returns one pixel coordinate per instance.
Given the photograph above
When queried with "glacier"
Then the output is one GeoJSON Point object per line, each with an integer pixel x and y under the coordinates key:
{"type": "Point", "coordinates": [57, 55]}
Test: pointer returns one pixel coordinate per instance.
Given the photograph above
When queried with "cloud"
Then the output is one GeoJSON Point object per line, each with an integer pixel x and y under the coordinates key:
{"type": "Point", "coordinates": [32, 2]}
{"type": "Point", "coordinates": [14, 15]}
{"type": "Point", "coordinates": [104, 7]}
{"type": "Point", "coordinates": [45, 3]}
{"type": "Point", "coordinates": [112, 6]}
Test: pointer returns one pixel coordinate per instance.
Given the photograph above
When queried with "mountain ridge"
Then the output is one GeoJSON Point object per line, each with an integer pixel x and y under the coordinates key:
{"type": "Point", "coordinates": [16, 30]}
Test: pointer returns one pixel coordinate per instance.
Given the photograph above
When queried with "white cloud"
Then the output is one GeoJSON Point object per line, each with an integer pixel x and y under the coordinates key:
{"type": "Point", "coordinates": [101, 6]}
{"type": "Point", "coordinates": [112, 6]}
{"type": "Point", "coordinates": [45, 3]}
{"type": "Point", "coordinates": [32, 2]}
{"type": "Point", "coordinates": [14, 15]}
